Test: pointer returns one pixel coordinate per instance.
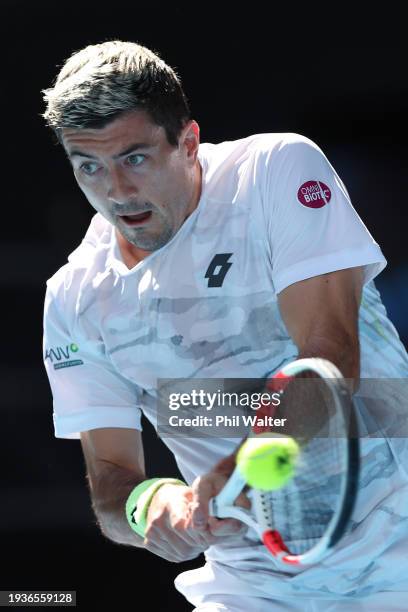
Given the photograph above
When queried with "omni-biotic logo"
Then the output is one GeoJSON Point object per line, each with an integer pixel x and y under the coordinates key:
{"type": "Point", "coordinates": [314, 194]}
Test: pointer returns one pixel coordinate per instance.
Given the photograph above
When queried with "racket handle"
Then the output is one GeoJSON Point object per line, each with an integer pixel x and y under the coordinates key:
{"type": "Point", "coordinates": [222, 505]}
{"type": "Point", "coordinates": [228, 494]}
{"type": "Point", "coordinates": [232, 488]}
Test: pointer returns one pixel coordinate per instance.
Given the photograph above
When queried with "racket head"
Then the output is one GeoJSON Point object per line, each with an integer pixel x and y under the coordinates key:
{"type": "Point", "coordinates": [302, 521]}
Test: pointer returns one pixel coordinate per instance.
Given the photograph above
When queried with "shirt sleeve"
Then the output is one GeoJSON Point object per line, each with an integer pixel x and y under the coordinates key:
{"type": "Point", "coordinates": [312, 226]}
{"type": "Point", "coordinates": [88, 393]}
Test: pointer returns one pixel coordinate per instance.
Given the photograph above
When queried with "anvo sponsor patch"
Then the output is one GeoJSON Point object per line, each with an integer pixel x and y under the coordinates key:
{"type": "Point", "coordinates": [314, 194]}
{"type": "Point", "coordinates": [62, 355]}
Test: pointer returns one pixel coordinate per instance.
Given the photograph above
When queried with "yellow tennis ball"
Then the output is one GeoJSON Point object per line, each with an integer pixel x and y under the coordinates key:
{"type": "Point", "coordinates": [267, 462]}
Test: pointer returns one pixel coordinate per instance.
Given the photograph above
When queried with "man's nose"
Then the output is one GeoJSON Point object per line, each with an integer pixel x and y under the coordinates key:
{"type": "Point", "coordinates": [120, 188]}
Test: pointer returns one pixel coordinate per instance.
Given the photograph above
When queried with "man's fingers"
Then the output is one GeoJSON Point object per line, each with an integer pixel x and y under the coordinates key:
{"type": "Point", "coordinates": [225, 527]}
{"type": "Point", "coordinates": [173, 548]}
{"type": "Point", "coordinates": [203, 490]}
{"type": "Point", "coordinates": [208, 486]}
{"type": "Point", "coordinates": [243, 501]}
{"type": "Point", "coordinates": [174, 556]}
{"type": "Point", "coordinates": [230, 526]}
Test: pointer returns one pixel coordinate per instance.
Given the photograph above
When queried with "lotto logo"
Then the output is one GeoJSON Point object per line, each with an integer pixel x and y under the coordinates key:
{"type": "Point", "coordinates": [314, 194]}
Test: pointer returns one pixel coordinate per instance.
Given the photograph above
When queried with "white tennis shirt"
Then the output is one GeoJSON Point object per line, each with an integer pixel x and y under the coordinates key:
{"type": "Point", "coordinates": [272, 212]}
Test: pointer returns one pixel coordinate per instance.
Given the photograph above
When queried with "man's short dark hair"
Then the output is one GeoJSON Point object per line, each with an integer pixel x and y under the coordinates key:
{"type": "Point", "coordinates": [102, 81]}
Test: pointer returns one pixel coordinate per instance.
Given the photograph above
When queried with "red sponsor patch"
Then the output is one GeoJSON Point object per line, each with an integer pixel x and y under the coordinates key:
{"type": "Point", "coordinates": [314, 194]}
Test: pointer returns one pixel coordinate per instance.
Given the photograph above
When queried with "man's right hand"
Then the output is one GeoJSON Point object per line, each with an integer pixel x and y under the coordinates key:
{"type": "Point", "coordinates": [170, 532]}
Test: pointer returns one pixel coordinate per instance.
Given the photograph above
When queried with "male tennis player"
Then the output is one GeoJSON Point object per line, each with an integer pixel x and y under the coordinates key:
{"type": "Point", "coordinates": [209, 260]}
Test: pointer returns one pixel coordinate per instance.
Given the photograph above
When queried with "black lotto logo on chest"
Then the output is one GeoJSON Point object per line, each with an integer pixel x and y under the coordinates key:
{"type": "Point", "coordinates": [218, 269]}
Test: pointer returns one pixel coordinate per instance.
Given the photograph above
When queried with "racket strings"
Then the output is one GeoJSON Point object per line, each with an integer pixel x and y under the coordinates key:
{"type": "Point", "coordinates": [302, 510]}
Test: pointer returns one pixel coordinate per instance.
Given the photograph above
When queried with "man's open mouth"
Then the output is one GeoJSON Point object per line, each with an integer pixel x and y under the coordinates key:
{"type": "Point", "coordinates": [137, 219]}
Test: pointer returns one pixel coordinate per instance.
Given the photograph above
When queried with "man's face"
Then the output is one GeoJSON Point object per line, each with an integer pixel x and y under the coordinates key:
{"type": "Point", "coordinates": [131, 175]}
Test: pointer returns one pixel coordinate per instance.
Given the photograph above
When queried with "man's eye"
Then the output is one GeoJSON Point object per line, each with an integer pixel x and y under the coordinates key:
{"type": "Point", "coordinates": [89, 168]}
{"type": "Point", "coordinates": [136, 159]}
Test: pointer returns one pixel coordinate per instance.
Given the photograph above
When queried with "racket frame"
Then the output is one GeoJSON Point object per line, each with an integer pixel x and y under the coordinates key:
{"type": "Point", "coordinates": [221, 505]}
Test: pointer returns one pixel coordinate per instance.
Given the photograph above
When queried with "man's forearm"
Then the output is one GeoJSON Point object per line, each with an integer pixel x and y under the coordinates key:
{"type": "Point", "coordinates": [345, 354]}
{"type": "Point", "coordinates": [109, 495]}
{"type": "Point", "coordinates": [304, 404]}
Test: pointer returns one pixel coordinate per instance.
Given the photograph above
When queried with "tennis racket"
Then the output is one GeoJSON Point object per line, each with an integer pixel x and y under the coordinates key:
{"type": "Point", "coordinates": [301, 522]}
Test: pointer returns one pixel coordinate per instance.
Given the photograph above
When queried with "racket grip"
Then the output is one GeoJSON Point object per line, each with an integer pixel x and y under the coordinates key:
{"type": "Point", "coordinates": [229, 493]}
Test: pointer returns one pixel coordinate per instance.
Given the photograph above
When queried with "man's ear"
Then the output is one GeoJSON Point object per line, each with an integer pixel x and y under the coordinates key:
{"type": "Point", "coordinates": [190, 139]}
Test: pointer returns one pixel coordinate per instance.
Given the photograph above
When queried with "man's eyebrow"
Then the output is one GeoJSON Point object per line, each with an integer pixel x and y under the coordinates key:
{"type": "Point", "coordinates": [134, 147]}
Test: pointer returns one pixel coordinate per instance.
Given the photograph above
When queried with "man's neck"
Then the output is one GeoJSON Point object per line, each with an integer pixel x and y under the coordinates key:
{"type": "Point", "coordinates": [130, 253]}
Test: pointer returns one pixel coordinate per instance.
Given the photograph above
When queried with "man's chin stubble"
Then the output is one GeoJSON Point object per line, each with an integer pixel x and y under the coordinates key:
{"type": "Point", "coordinates": [150, 243]}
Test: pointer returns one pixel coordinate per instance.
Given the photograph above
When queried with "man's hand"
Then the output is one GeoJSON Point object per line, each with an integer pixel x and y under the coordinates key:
{"type": "Point", "coordinates": [169, 533]}
{"type": "Point", "coordinates": [178, 525]}
{"type": "Point", "coordinates": [208, 486]}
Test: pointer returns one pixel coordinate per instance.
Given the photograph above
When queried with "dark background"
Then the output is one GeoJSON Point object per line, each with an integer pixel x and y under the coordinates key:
{"type": "Point", "coordinates": [339, 79]}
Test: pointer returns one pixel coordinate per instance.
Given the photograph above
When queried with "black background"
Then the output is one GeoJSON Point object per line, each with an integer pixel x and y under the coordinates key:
{"type": "Point", "coordinates": [338, 78]}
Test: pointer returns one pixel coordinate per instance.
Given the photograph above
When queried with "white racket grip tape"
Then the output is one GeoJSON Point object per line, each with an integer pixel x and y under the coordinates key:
{"type": "Point", "coordinates": [221, 506]}
{"type": "Point", "coordinates": [231, 490]}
